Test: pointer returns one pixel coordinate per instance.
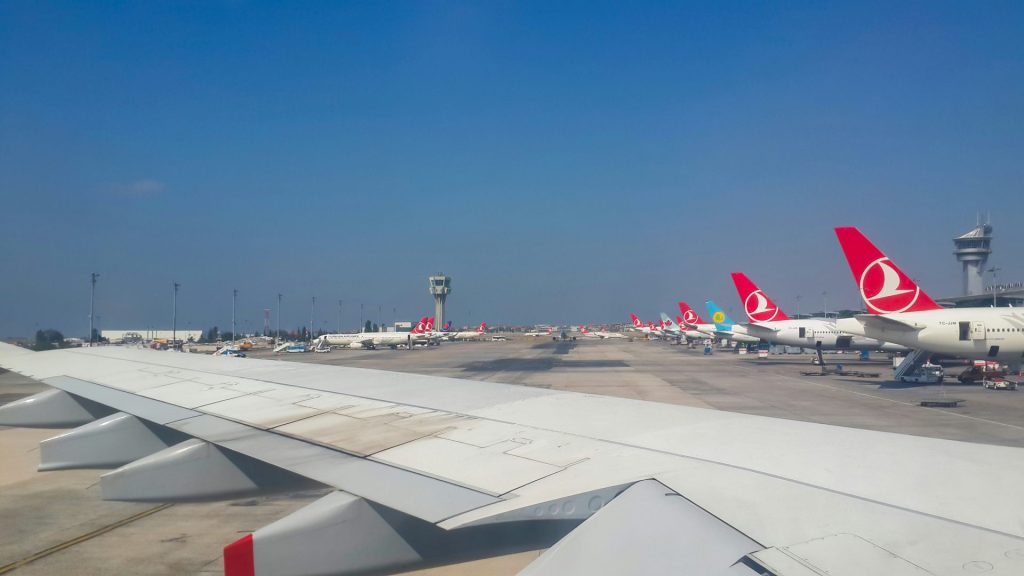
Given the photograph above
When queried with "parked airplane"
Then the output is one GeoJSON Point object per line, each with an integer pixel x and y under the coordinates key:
{"type": "Point", "coordinates": [769, 323]}
{"type": "Point", "coordinates": [725, 327]}
{"type": "Point", "coordinates": [690, 332]}
{"type": "Point", "coordinates": [418, 335]}
{"type": "Point", "coordinates": [899, 311]}
{"type": "Point", "coordinates": [536, 333]}
{"type": "Point", "coordinates": [650, 328]}
{"type": "Point", "coordinates": [722, 327]}
{"type": "Point", "coordinates": [469, 334]}
{"type": "Point", "coordinates": [424, 471]}
{"type": "Point", "coordinates": [676, 328]}
{"type": "Point", "coordinates": [602, 334]}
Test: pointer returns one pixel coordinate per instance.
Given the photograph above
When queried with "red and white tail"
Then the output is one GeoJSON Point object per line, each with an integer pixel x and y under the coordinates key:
{"type": "Point", "coordinates": [883, 286]}
{"type": "Point", "coordinates": [583, 330]}
{"type": "Point", "coordinates": [481, 328]}
{"type": "Point", "coordinates": [429, 327]}
{"type": "Point", "coordinates": [421, 326]}
{"type": "Point", "coordinates": [689, 315]}
{"type": "Point", "coordinates": [636, 321]}
{"type": "Point", "coordinates": [758, 306]}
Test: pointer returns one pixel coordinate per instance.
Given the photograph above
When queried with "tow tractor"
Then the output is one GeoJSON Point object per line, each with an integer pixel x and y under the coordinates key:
{"type": "Point", "coordinates": [927, 374]}
{"type": "Point", "coordinates": [999, 383]}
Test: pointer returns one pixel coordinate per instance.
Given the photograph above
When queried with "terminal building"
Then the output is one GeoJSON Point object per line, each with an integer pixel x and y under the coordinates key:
{"type": "Point", "coordinates": [972, 251]}
{"type": "Point", "coordinates": [120, 336]}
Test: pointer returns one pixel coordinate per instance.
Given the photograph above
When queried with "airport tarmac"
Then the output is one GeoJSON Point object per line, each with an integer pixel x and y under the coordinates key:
{"type": "Point", "coordinates": [55, 522]}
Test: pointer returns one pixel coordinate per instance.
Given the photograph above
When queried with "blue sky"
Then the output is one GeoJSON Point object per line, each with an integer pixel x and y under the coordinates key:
{"type": "Point", "coordinates": [564, 162]}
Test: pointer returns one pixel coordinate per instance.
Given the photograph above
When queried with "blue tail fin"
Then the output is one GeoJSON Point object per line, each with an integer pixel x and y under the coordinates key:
{"type": "Point", "coordinates": [722, 320]}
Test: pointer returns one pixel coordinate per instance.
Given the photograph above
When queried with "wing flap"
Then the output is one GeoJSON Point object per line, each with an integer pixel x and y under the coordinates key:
{"type": "Point", "coordinates": [648, 529]}
{"type": "Point", "coordinates": [835, 555]}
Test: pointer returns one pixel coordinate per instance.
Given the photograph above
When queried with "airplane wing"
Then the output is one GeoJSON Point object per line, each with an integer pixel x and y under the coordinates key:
{"type": "Point", "coordinates": [428, 469]}
{"type": "Point", "coordinates": [886, 323]}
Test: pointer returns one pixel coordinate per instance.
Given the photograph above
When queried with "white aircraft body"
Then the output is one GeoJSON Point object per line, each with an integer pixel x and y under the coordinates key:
{"type": "Point", "coordinates": [722, 327]}
{"type": "Point", "coordinates": [469, 334]}
{"type": "Point", "coordinates": [601, 334]}
{"type": "Point", "coordinates": [675, 328]}
{"type": "Point", "coordinates": [899, 311]}
{"type": "Point", "coordinates": [418, 335]}
{"type": "Point", "coordinates": [650, 329]}
{"type": "Point", "coordinates": [769, 323]}
{"type": "Point", "coordinates": [538, 333]}
{"type": "Point", "coordinates": [427, 470]}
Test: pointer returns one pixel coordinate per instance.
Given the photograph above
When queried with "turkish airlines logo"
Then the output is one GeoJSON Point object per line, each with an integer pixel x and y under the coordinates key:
{"type": "Point", "coordinates": [885, 289]}
{"type": "Point", "coordinates": [758, 309]}
{"type": "Point", "coordinates": [690, 317]}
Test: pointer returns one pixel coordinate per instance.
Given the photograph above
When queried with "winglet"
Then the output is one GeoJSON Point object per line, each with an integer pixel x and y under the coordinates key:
{"type": "Point", "coordinates": [238, 558]}
{"type": "Point", "coordinates": [758, 306]}
{"type": "Point", "coordinates": [883, 286]}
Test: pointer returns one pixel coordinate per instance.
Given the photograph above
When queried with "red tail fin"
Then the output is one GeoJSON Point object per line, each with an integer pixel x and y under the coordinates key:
{"type": "Point", "coordinates": [883, 286]}
{"type": "Point", "coordinates": [482, 328]}
{"type": "Point", "coordinates": [690, 316]}
{"type": "Point", "coordinates": [636, 321]}
{"type": "Point", "coordinates": [758, 306]}
{"type": "Point", "coordinates": [420, 326]}
{"type": "Point", "coordinates": [429, 326]}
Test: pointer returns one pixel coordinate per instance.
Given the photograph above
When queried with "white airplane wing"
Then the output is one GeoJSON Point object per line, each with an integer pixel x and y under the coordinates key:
{"type": "Point", "coordinates": [430, 469]}
{"type": "Point", "coordinates": [886, 323]}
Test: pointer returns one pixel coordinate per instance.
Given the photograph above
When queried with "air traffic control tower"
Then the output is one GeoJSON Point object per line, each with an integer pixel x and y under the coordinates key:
{"type": "Point", "coordinates": [972, 250]}
{"type": "Point", "coordinates": [440, 287]}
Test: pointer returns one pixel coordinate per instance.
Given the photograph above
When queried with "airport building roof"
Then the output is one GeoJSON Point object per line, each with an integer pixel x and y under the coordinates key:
{"type": "Point", "coordinates": [1012, 296]}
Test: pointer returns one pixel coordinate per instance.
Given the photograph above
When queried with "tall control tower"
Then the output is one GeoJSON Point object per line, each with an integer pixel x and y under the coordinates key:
{"type": "Point", "coordinates": [440, 287]}
{"type": "Point", "coordinates": [972, 250]}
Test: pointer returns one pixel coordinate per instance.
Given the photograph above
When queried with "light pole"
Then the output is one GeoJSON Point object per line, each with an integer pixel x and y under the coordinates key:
{"type": "Point", "coordinates": [797, 305]}
{"type": "Point", "coordinates": [824, 300]}
{"type": "Point", "coordinates": [339, 316]}
{"type": "Point", "coordinates": [174, 316]}
{"type": "Point", "coordinates": [277, 336]}
{"type": "Point", "coordinates": [380, 319]}
{"type": "Point", "coordinates": [994, 271]}
{"type": "Point", "coordinates": [360, 317]}
{"type": "Point", "coordinates": [92, 307]}
{"type": "Point", "coordinates": [312, 306]}
{"type": "Point", "coordinates": [234, 298]}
